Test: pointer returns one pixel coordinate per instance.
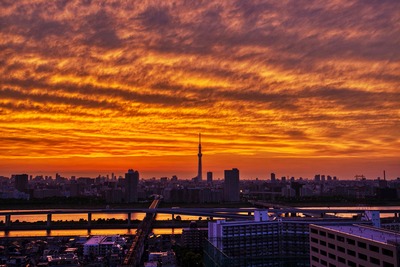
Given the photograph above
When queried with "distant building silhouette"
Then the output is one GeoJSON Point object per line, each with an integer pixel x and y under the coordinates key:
{"type": "Point", "coordinates": [199, 170]}
{"type": "Point", "coordinates": [231, 185]}
{"type": "Point", "coordinates": [209, 177]}
{"type": "Point", "coordinates": [273, 177]}
{"type": "Point", "coordinates": [21, 182]}
{"type": "Point", "coordinates": [131, 186]}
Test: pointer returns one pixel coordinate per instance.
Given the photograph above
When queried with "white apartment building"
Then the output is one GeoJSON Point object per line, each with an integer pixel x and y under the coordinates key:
{"type": "Point", "coordinates": [353, 245]}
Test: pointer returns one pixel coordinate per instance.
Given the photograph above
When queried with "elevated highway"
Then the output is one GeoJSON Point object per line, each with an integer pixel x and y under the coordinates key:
{"type": "Point", "coordinates": [224, 213]}
{"type": "Point", "coordinates": [135, 253]}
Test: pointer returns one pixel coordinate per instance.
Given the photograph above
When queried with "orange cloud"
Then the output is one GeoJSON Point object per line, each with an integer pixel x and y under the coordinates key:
{"type": "Point", "coordinates": [261, 80]}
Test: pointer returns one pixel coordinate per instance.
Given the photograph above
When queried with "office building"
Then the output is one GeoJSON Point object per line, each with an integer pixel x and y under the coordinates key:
{"type": "Point", "coordinates": [193, 237]}
{"type": "Point", "coordinates": [261, 242]}
{"type": "Point", "coordinates": [131, 186]}
{"type": "Point", "coordinates": [265, 241]}
{"type": "Point", "coordinates": [209, 177]}
{"type": "Point", "coordinates": [273, 177]}
{"type": "Point", "coordinates": [231, 185]}
{"type": "Point", "coordinates": [21, 182]}
{"type": "Point", "coordinates": [353, 245]}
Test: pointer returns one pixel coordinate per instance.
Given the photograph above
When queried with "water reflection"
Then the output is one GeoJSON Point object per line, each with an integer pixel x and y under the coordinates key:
{"type": "Point", "coordinates": [41, 233]}
{"type": "Point", "coordinates": [95, 216]}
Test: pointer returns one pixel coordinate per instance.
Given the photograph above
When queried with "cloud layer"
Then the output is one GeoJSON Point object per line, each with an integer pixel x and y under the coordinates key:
{"type": "Point", "coordinates": [273, 79]}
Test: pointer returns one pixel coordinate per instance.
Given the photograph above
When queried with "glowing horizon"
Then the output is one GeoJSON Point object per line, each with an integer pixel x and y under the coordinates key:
{"type": "Point", "coordinates": [296, 87]}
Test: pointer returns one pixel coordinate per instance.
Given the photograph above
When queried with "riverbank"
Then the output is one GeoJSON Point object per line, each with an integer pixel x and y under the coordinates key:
{"type": "Point", "coordinates": [72, 225]}
{"type": "Point", "coordinates": [334, 202]}
{"type": "Point", "coordinates": [96, 203]}
{"type": "Point", "coordinates": [93, 203]}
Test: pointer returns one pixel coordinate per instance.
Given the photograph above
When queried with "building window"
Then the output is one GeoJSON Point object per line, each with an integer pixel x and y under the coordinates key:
{"type": "Point", "coordinates": [387, 252]}
{"type": "Point", "coordinates": [341, 260]}
{"type": "Point", "coordinates": [341, 249]}
{"type": "Point", "coordinates": [314, 240]}
{"type": "Point", "coordinates": [332, 256]}
{"type": "Point", "coordinates": [387, 264]}
{"type": "Point", "coordinates": [332, 246]}
{"type": "Point", "coordinates": [374, 248]}
{"type": "Point", "coordinates": [350, 241]}
{"type": "Point", "coordinates": [324, 263]}
{"type": "Point", "coordinates": [332, 265]}
{"type": "Point", "coordinates": [314, 231]}
{"type": "Point", "coordinates": [323, 243]}
{"type": "Point", "coordinates": [351, 263]}
{"type": "Point", "coordinates": [322, 252]}
{"type": "Point", "coordinates": [340, 238]}
{"type": "Point", "coordinates": [362, 244]}
{"type": "Point", "coordinates": [331, 236]}
{"type": "Point", "coordinates": [351, 252]}
{"type": "Point", "coordinates": [313, 258]}
{"type": "Point", "coordinates": [322, 233]}
{"type": "Point", "coordinates": [362, 256]}
{"type": "Point", "coordinates": [374, 261]}
{"type": "Point", "coordinates": [314, 249]}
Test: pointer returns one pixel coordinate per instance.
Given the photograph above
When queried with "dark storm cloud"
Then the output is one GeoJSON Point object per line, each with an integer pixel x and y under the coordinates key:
{"type": "Point", "coordinates": [168, 100]}
{"type": "Point", "coordinates": [155, 18]}
{"type": "Point", "coordinates": [352, 99]}
{"type": "Point", "coordinates": [45, 98]}
{"type": "Point", "coordinates": [100, 28]}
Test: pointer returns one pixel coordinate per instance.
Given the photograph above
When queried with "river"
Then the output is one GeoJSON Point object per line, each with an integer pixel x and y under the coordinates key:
{"type": "Point", "coordinates": [41, 233]}
{"type": "Point", "coordinates": [136, 216]}
{"type": "Point", "coordinates": [95, 216]}
{"type": "Point", "coordinates": [83, 232]}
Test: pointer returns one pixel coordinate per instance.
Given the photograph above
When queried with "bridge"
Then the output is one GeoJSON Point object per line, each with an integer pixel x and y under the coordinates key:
{"type": "Point", "coordinates": [212, 213]}
{"type": "Point", "coordinates": [135, 252]}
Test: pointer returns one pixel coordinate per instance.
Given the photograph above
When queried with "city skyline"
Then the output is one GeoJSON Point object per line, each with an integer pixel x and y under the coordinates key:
{"type": "Point", "coordinates": [297, 88]}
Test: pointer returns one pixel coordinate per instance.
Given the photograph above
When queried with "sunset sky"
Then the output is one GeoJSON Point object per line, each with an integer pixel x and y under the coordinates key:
{"type": "Point", "coordinates": [295, 87]}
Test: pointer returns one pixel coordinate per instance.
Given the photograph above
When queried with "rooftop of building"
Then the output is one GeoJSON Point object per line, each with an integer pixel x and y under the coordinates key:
{"type": "Point", "coordinates": [367, 232]}
{"type": "Point", "coordinates": [298, 220]}
{"type": "Point", "coordinates": [95, 240]}
{"type": "Point", "coordinates": [104, 240]}
{"type": "Point", "coordinates": [195, 229]}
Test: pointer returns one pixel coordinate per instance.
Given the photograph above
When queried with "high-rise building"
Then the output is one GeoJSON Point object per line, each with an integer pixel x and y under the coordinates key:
{"type": "Point", "coordinates": [21, 182]}
{"type": "Point", "coordinates": [231, 185]}
{"type": "Point", "coordinates": [209, 177]}
{"type": "Point", "coordinates": [194, 237]}
{"type": "Point", "coordinates": [199, 169]}
{"type": "Point", "coordinates": [353, 245]}
{"type": "Point", "coordinates": [267, 241]}
{"type": "Point", "coordinates": [131, 186]}
{"type": "Point", "coordinates": [273, 177]}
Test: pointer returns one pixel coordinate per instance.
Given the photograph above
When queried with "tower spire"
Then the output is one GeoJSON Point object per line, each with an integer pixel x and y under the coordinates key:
{"type": "Point", "coordinates": [199, 171]}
